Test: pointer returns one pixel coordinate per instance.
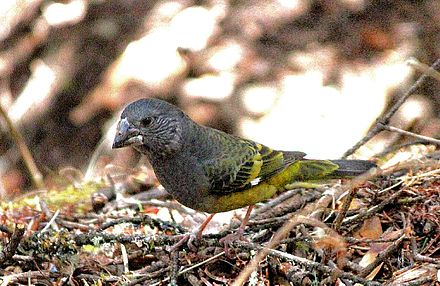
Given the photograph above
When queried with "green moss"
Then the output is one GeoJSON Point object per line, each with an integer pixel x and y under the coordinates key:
{"type": "Point", "coordinates": [76, 199]}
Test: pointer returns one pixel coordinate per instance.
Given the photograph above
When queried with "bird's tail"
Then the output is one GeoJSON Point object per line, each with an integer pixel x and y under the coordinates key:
{"type": "Point", "coordinates": [316, 170]}
{"type": "Point", "coordinates": [351, 168]}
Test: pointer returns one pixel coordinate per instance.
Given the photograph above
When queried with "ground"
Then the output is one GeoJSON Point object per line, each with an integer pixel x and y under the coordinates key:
{"type": "Point", "coordinates": [296, 75]}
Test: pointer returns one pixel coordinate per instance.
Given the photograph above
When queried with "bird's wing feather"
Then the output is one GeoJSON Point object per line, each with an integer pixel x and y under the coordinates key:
{"type": "Point", "coordinates": [245, 163]}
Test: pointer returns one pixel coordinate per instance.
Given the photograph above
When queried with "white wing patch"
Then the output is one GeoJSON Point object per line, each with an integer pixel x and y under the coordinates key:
{"type": "Point", "coordinates": [255, 181]}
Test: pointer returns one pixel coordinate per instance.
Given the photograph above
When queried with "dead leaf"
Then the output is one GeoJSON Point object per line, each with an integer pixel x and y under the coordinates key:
{"type": "Point", "coordinates": [371, 229]}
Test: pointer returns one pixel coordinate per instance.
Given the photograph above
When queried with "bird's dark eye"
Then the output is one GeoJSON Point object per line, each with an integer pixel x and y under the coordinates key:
{"type": "Point", "coordinates": [147, 121]}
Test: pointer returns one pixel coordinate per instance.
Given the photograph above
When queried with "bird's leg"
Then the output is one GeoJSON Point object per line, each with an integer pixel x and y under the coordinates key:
{"type": "Point", "coordinates": [189, 238]}
{"type": "Point", "coordinates": [203, 226]}
{"type": "Point", "coordinates": [245, 220]}
{"type": "Point", "coordinates": [230, 238]}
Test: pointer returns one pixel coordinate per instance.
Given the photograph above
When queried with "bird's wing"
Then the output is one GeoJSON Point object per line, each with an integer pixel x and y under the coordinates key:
{"type": "Point", "coordinates": [246, 164]}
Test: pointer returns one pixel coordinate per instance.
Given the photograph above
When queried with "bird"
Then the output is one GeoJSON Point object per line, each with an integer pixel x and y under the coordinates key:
{"type": "Point", "coordinates": [211, 171]}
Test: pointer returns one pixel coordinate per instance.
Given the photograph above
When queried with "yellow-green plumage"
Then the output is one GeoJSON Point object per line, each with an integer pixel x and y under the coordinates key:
{"type": "Point", "coordinates": [300, 171]}
{"type": "Point", "coordinates": [209, 170]}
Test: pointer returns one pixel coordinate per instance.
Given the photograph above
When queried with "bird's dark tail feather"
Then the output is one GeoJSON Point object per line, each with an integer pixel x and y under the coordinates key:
{"type": "Point", "coordinates": [351, 168]}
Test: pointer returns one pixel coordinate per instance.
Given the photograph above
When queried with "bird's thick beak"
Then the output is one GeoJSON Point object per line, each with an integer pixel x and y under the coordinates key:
{"type": "Point", "coordinates": [126, 135]}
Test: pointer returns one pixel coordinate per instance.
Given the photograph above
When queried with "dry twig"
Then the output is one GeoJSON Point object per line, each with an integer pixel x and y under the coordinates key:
{"type": "Point", "coordinates": [14, 241]}
{"type": "Point", "coordinates": [305, 262]}
{"type": "Point", "coordinates": [192, 267]}
{"type": "Point", "coordinates": [413, 62]}
{"type": "Point", "coordinates": [422, 258]}
{"type": "Point", "coordinates": [382, 256]}
{"type": "Point", "coordinates": [36, 176]}
{"type": "Point", "coordinates": [403, 132]}
{"type": "Point", "coordinates": [373, 210]}
{"type": "Point", "coordinates": [385, 119]}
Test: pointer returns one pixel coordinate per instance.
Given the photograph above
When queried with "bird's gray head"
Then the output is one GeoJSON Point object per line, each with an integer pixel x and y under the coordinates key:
{"type": "Point", "coordinates": [151, 126]}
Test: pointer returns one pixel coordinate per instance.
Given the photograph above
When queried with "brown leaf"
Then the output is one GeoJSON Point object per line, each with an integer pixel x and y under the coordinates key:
{"type": "Point", "coordinates": [371, 229]}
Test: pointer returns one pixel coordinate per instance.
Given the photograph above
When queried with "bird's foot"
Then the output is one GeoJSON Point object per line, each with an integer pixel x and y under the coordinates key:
{"type": "Point", "coordinates": [192, 237]}
{"type": "Point", "coordinates": [189, 239]}
{"type": "Point", "coordinates": [228, 240]}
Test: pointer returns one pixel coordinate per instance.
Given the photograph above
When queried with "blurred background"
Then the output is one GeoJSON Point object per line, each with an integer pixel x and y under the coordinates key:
{"type": "Point", "coordinates": [293, 74]}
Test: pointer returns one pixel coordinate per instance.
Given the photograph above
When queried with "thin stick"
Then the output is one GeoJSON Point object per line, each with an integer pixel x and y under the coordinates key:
{"type": "Point", "coordinates": [385, 119]}
{"type": "Point", "coordinates": [382, 256]}
{"type": "Point", "coordinates": [191, 267]}
{"type": "Point", "coordinates": [124, 258]}
{"type": "Point", "coordinates": [414, 63]}
{"type": "Point", "coordinates": [174, 271]}
{"type": "Point", "coordinates": [52, 222]}
{"type": "Point", "coordinates": [346, 204]}
{"type": "Point", "coordinates": [344, 209]}
{"type": "Point", "coordinates": [373, 210]}
{"type": "Point", "coordinates": [419, 257]}
{"type": "Point", "coordinates": [308, 263]}
{"type": "Point", "coordinates": [37, 178]}
{"type": "Point", "coordinates": [9, 250]}
{"type": "Point", "coordinates": [403, 132]}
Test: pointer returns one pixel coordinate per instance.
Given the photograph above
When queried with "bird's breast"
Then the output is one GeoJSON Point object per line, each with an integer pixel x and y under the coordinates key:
{"type": "Point", "coordinates": [183, 178]}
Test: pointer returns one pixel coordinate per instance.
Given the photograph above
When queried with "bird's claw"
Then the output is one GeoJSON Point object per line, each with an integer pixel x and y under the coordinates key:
{"type": "Point", "coordinates": [229, 239]}
{"type": "Point", "coordinates": [189, 239]}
